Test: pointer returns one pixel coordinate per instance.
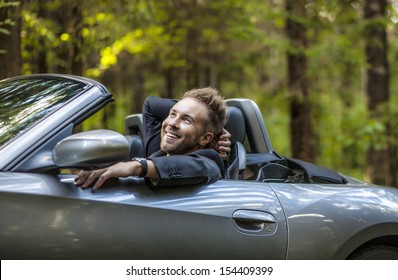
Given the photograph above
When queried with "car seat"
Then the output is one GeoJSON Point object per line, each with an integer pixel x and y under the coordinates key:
{"type": "Point", "coordinates": [133, 129]}
{"type": "Point", "coordinates": [235, 125]}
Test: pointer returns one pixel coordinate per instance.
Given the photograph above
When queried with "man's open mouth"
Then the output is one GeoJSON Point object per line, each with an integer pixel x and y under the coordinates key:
{"type": "Point", "coordinates": [172, 135]}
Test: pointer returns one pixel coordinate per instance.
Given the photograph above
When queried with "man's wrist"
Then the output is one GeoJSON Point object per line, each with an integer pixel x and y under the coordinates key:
{"type": "Point", "coordinates": [143, 165]}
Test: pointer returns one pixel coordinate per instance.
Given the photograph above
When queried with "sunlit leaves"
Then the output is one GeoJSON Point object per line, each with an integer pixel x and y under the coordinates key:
{"type": "Point", "coordinates": [65, 37]}
{"type": "Point", "coordinates": [141, 42]}
{"type": "Point", "coordinates": [7, 23]}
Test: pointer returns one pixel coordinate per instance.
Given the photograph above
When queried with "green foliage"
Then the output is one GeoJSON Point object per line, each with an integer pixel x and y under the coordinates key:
{"type": "Point", "coordinates": [6, 23]}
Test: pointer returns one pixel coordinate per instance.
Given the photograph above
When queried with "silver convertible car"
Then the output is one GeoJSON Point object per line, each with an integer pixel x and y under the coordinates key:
{"type": "Point", "coordinates": [267, 207]}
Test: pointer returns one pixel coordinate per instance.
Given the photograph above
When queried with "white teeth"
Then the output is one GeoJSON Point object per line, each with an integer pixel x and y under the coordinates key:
{"type": "Point", "coordinates": [171, 135]}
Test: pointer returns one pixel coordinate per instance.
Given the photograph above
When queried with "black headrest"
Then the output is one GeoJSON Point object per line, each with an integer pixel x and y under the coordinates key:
{"type": "Point", "coordinates": [235, 125]}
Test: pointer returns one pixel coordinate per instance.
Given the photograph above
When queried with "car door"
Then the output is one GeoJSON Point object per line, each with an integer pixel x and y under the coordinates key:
{"type": "Point", "coordinates": [126, 219]}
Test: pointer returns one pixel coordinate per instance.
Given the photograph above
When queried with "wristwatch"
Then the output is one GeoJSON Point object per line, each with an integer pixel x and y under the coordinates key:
{"type": "Point", "coordinates": [144, 166]}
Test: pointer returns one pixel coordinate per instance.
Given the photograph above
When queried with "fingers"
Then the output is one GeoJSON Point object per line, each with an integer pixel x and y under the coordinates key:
{"type": "Point", "coordinates": [224, 149]}
{"type": "Point", "coordinates": [100, 181]}
{"type": "Point", "coordinates": [224, 144]}
{"type": "Point", "coordinates": [98, 177]}
{"type": "Point", "coordinates": [224, 155]}
{"type": "Point", "coordinates": [87, 178]}
{"type": "Point", "coordinates": [81, 177]}
{"type": "Point", "coordinates": [224, 152]}
{"type": "Point", "coordinates": [224, 139]}
{"type": "Point", "coordinates": [225, 135]}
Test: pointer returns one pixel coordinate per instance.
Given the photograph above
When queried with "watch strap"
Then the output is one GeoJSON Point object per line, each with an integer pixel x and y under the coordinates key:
{"type": "Point", "coordinates": [144, 166]}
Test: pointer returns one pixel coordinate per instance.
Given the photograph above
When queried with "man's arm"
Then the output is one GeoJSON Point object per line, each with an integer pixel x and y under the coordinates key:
{"type": "Point", "coordinates": [121, 169]}
{"type": "Point", "coordinates": [200, 167]}
{"type": "Point", "coordinates": [155, 110]}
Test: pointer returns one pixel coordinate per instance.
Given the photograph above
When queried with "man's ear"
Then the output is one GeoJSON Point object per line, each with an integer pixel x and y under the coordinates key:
{"type": "Point", "coordinates": [206, 138]}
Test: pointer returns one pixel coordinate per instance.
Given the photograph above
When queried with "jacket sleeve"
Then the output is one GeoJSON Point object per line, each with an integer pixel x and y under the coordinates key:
{"type": "Point", "coordinates": [201, 167]}
{"type": "Point", "coordinates": [155, 110]}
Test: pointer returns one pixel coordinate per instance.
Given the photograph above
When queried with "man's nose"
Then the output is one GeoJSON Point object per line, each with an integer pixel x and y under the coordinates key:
{"type": "Point", "coordinates": [173, 122]}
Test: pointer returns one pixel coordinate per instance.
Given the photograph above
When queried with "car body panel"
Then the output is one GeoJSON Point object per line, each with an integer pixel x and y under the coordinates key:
{"type": "Point", "coordinates": [178, 223]}
{"type": "Point", "coordinates": [341, 215]}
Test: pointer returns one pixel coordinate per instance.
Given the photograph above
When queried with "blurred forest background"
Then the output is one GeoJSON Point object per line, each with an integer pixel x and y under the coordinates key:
{"type": "Point", "coordinates": [321, 71]}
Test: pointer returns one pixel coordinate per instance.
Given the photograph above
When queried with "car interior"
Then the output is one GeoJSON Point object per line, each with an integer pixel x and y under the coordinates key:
{"type": "Point", "coordinates": [252, 156]}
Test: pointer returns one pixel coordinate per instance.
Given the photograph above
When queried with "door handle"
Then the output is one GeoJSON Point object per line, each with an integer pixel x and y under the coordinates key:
{"type": "Point", "coordinates": [254, 221]}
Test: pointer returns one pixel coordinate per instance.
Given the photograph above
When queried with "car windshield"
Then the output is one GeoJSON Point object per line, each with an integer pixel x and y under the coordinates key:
{"type": "Point", "coordinates": [26, 101]}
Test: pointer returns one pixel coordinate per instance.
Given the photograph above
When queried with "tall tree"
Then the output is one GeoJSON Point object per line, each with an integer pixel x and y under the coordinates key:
{"type": "Point", "coordinates": [41, 57]}
{"type": "Point", "coordinates": [10, 39]}
{"type": "Point", "coordinates": [379, 163]}
{"type": "Point", "coordinates": [69, 18]}
{"type": "Point", "coordinates": [301, 123]}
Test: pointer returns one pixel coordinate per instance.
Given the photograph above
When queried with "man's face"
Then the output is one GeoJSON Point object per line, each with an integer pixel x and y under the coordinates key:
{"type": "Point", "coordinates": [183, 130]}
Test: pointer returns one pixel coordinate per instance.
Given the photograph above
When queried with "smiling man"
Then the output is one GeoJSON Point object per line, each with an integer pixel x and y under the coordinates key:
{"type": "Point", "coordinates": [186, 129]}
{"type": "Point", "coordinates": [185, 156]}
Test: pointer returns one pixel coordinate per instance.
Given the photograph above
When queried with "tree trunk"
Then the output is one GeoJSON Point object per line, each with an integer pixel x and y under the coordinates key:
{"type": "Point", "coordinates": [75, 52]}
{"type": "Point", "coordinates": [41, 57]}
{"type": "Point", "coordinates": [10, 44]}
{"type": "Point", "coordinates": [301, 125]}
{"type": "Point", "coordinates": [169, 81]}
{"type": "Point", "coordinates": [138, 87]}
{"type": "Point", "coordinates": [379, 163]}
{"type": "Point", "coordinates": [70, 20]}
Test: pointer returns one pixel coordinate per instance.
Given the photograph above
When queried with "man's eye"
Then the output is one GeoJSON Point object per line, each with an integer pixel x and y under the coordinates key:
{"type": "Point", "coordinates": [172, 115]}
{"type": "Point", "coordinates": [187, 121]}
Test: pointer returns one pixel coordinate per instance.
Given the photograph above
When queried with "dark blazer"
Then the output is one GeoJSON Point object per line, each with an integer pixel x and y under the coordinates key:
{"type": "Point", "coordinates": [199, 167]}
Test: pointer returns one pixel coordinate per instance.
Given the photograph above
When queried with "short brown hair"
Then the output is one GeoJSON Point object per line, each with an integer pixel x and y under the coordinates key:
{"type": "Point", "coordinates": [215, 103]}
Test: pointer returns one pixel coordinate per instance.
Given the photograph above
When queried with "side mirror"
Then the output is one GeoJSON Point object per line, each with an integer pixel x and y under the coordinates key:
{"type": "Point", "coordinates": [91, 149]}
